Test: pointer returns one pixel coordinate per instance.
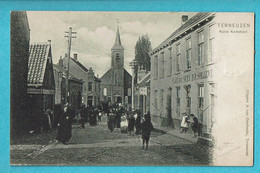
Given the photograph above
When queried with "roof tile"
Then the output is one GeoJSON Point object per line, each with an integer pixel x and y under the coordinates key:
{"type": "Point", "coordinates": [37, 62]}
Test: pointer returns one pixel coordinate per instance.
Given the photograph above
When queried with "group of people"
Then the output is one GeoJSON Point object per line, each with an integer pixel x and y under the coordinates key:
{"type": "Point", "coordinates": [136, 123]}
{"type": "Point", "coordinates": [89, 114]}
{"type": "Point", "coordinates": [194, 124]}
{"type": "Point", "coordinates": [140, 126]}
{"type": "Point", "coordinates": [114, 114]}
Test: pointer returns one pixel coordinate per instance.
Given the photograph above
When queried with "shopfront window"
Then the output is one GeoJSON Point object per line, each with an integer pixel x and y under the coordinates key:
{"type": "Point", "coordinates": [178, 101]}
{"type": "Point", "coordinates": [200, 101]}
{"type": "Point", "coordinates": [188, 99]}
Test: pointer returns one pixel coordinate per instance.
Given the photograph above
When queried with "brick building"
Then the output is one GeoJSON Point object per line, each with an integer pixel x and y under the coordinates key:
{"type": "Point", "coordinates": [91, 84]}
{"type": "Point", "coordinates": [40, 84]}
{"type": "Point", "coordinates": [20, 38]}
{"type": "Point", "coordinates": [181, 73]}
{"type": "Point", "coordinates": [116, 82]}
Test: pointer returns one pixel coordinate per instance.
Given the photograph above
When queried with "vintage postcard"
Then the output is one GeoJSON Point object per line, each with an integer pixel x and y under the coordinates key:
{"type": "Point", "coordinates": [132, 88]}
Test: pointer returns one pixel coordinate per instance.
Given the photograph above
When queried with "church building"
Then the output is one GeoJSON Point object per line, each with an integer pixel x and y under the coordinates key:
{"type": "Point", "coordinates": [116, 82]}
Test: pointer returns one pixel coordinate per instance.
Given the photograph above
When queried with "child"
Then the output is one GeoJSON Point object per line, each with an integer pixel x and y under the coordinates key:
{"type": "Point", "coordinates": [146, 127]}
{"type": "Point", "coordinates": [184, 123]}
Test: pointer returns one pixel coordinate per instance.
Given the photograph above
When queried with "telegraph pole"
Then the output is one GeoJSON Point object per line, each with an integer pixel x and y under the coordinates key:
{"type": "Point", "coordinates": [69, 35]}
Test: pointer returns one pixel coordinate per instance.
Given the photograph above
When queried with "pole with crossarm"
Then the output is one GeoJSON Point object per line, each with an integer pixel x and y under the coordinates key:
{"type": "Point", "coordinates": [69, 36]}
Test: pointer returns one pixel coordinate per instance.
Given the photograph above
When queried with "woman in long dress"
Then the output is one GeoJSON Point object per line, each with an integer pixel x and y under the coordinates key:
{"type": "Point", "coordinates": [65, 126]}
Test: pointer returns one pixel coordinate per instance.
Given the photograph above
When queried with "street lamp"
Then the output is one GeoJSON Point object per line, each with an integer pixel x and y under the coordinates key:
{"type": "Point", "coordinates": [133, 64]}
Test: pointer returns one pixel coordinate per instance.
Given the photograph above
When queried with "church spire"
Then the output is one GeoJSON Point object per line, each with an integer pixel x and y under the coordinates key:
{"type": "Point", "coordinates": [117, 44]}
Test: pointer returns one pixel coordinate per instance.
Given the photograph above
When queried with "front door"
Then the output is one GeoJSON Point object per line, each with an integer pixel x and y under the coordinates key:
{"type": "Point", "coordinates": [90, 100]}
{"type": "Point", "coordinates": [118, 99]}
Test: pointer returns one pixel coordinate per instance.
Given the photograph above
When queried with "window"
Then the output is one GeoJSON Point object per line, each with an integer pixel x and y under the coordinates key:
{"type": "Point", "coordinates": [155, 101]}
{"type": "Point", "coordinates": [200, 101]}
{"type": "Point", "coordinates": [188, 53]}
{"type": "Point", "coordinates": [211, 43]}
{"type": "Point", "coordinates": [156, 66]}
{"type": "Point", "coordinates": [161, 102]}
{"type": "Point", "coordinates": [129, 92]}
{"type": "Point", "coordinates": [117, 57]}
{"type": "Point", "coordinates": [178, 101]}
{"type": "Point", "coordinates": [200, 47]}
{"type": "Point", "coordinates": [90, 86]}
{"type": "Point", "coordinates": [170, 63]}
{"type": "Point", "coordinates": [178, 58]}
{"type": "Point", "coordinates": [162, 66]}
{"type": "Point", "coordinates": [117, 79]}
{"type": "Point", "coordinates": [188, 98]}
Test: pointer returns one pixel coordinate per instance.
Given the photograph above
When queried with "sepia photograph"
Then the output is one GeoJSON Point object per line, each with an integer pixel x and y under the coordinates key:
{"type": "Point", "coordinates": [131, 88]}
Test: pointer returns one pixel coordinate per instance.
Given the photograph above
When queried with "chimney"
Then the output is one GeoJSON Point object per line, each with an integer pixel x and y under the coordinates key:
{"type": "Point", "coordinates": [184, 19]}
{"type": "Point", "coordinates": [75, 56]}
{"type": "Point", "coordinates": [91, 72]}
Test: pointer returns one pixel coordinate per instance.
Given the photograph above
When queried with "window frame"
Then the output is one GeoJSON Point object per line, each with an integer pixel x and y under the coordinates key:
{"type": "Point", "coordinates": [188, 52]}
{"type": "Point", "coordinates": [178, 57]}
{"type": "Point", "coordinates": [178, 101]}
{"type": "Point", "coordinates": [201, 47]}
{"type": "Point", "coordinates": [201, 95]}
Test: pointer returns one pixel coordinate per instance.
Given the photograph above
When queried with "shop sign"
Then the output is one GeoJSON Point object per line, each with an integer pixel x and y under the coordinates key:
{"type": "Point", "coordinates": [193, 77]}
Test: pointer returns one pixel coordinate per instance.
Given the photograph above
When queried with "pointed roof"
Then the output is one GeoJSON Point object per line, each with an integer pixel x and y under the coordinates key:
{"type": "Point", "coordinates": [117, 44]}
{"type": "Point", "coordinates": [39, 53]}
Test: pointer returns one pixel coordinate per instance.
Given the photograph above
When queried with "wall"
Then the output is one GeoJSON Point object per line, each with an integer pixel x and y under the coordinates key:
{"type": "Point", "coordinates": [20, 37]}
{"type": "Point", "coordinates": [182, 78]}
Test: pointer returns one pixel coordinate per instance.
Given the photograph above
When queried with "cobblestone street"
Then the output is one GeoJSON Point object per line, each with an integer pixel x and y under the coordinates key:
{"type": "Point", "coordinates": [98, 146]}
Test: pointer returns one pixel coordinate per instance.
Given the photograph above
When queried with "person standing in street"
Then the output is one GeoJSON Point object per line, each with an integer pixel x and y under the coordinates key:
{"type": "Point", "coordinates": [131, 124]}
{"type": "Point", "coordinates": [147, 128]}
{"type": "Point", "coordinates": [138, 122]}
{"type": "Point", "coordinates": [83, 116]}
{"type": "Point", "coordinates": [184, 123]}
{"type": "Point", "coordinates": [65, 126]}
{"type": "Point", "coordinates": [194, 125]}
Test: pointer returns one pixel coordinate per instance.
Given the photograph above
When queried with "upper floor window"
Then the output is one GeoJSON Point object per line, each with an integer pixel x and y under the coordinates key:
{"type": "Point", "coordinates": [188, 53]}
{"type": "Point", "coordinates": [170, 63]}
{"type": "Point", "coordinates": [200, 47]}
{"type": "Point", "coordinates": [156, 67]}
{"type": "Point", "coordinates": [162, 66]}
{"type": "Point", "coordinates": [178, 57]}
{"type": "Point", "coordinates": [90, 86]}
{"type": "Point", "coordinates": [211, 43]}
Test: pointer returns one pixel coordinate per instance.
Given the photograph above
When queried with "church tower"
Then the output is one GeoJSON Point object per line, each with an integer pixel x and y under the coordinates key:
{"type": "Point", "coordinates": [116, 82]}
{"type": "Point", "coordinates": [117, 52]}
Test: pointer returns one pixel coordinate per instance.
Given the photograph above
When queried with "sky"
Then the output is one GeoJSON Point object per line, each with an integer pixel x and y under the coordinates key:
{"type": "Point", "coordinates": [96, 33]}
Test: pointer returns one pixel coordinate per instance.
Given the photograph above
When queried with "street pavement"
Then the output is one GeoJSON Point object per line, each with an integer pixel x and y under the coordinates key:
{"type": "Point", "coordinates": [96, 145]}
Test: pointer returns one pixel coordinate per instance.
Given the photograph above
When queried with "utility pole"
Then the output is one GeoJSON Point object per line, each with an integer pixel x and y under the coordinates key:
{"type": "Point", "coordinates": [69, 35]}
